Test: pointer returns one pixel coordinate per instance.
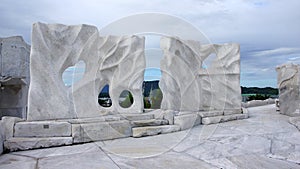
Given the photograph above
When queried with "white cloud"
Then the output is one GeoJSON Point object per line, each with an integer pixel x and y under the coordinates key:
{"type": "Point", "coordinates": [278, 52]}
{"type": "Point", "coordinates": [257, 24]}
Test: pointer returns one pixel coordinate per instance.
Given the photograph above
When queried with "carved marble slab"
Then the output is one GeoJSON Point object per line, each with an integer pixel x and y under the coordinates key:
{"type": "Point", "coordinates": [288, 82]}
{"type": "Point", "coordinates": [116, 61]}
{"type": "Point", "coordinates": [189, 86]}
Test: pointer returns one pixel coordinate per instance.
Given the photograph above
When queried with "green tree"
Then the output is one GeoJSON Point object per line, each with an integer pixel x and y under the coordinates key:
{"type": "Point", "coordinates": [156, 98]}
{"type": "Point", "coordinates": [147, 104]}
{"type": "Point", "coordinates": [258, 97]}
{"type": "Point", "coordinates": [128, 101]}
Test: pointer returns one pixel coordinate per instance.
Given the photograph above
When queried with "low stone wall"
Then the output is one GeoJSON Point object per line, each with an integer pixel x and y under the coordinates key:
{"type": "Point", "coordinates": [254, 103]}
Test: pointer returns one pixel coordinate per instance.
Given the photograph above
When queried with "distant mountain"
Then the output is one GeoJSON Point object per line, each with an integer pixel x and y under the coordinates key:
{"type": "Point", "coordinates": [148, 86]}
{"type": "Point", "coordinates": [151, 85]}
{"type": "Point", "coordinates": [257, 90]}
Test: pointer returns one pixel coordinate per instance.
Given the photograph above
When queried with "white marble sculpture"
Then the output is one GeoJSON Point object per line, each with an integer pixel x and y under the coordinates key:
{"type": "Point", "coordinates": [188, 86]}
{"type": "Point", "coordinates": [288, 81]}
{"type": "Point", "coordinates": [117, 61]}
{"type": "Point", "coordinates": [14, 76]}
{"type": "Point", "coordinates": [120, 63]}
{"type": "Point", "coordinates": [63, 115]}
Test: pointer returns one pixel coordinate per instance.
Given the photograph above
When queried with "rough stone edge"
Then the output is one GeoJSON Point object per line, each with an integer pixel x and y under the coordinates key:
{"type": "Point", "coordinates": [154, 130]}
{"type": "Point", "coordinates": [20, 143]}
{"type": "Point", "coordinates": [80, 132]}
{"type": "Point", "coordinates": [256, 103]}
{"type": "Point", "coordinates": [225, 118]}
{"type": "Point", "coordinates": [187, 121]}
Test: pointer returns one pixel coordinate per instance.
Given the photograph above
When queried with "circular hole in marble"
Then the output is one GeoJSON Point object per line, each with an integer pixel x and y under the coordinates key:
{"type": "Point", "coordinates": [126, 99]}
{"type": "Point", "coordinates": [104, 99]}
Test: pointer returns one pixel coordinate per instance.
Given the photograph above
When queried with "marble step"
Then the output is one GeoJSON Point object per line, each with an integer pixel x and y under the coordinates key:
{"type": "Point", "coordinates": [100, 131]}
{"type": "Point", "coordinates": [93, 119]}
{"type": "Point", "coordinates": [25, 143]}
{"type": "Point", "coordinates": [154, 130]}
{"type": "Point", "coordinates": [42, 129]}
{"type": "Point", "coordinates": [225, 118]}
{"type": "Point", "coordinates": [151, 122]}
{"type": "Point", "coordinates": [135, 117]}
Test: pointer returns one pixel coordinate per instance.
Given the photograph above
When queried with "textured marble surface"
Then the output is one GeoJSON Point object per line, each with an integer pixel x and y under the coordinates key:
{"type": "Point", "coordinates": [116, 61]}
{"type": "Point", "coordinates": [14, 76]}
{"type": "Point", "coordinates": [265, 140]}
{"type": "Point", "coordinates": [189, 85]}
{"type": "Point", "coordinates": [55, 47]}
{"type": "Point", "coordinates": [288, 82]}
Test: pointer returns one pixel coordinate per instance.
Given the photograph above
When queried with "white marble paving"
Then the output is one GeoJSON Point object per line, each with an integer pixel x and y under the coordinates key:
{"type": "Point", "coordinates": [265, 140]}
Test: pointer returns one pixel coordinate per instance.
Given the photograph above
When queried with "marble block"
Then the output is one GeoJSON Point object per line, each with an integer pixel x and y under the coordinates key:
{"type": "Point", "coordinates": [7, 125]}
{"type": "Point", "coordinates": [187, 121]}
{"type": "Point", "coordinates": [24, 143]}
{"type": "Point", "coordinates": [189, 85]}
{"type": "Point", "coordinates": [42, 129]}
{"type": "Point", "coordinates": [288, 82]}
{"type": "Point", "coordinates": [88, 132]}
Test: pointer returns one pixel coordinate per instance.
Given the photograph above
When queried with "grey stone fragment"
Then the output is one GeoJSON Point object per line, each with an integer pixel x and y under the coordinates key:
{"type": "Point", "coordinates": [187, 121]}
{"type": "Point", "coordinates": [154, 130]}
{"type": "Point", "coordinates": [8, 124]}
{"type": "Point", "coordinates": [152, 122]}
{"type": "Point", "coordinates": [42, 129]}
{"type": "Point", "coordinates": [100, 131]}
{"type": "Point", "coordinates": [14, 76]}
{"type": "Point", "coordinates": [24, 143]}
{"type": "Point", "coordinates": [220, 119]}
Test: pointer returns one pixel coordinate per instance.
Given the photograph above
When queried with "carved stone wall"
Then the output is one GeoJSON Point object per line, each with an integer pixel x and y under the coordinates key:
{"type": "Point", "coordinates": [14, 76]}
{"type": "Point", "coordinates": [188, 86]}
{"type": "Point", "coordinates": [117, 61]}
{"type": "Point", "coordinates": [288, 81]}
{"type": "Point", "coordinates": [120, 63]}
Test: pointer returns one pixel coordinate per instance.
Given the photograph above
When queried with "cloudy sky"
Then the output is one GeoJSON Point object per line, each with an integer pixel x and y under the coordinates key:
{"type": "Point", "coordinates": [267, 30]}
